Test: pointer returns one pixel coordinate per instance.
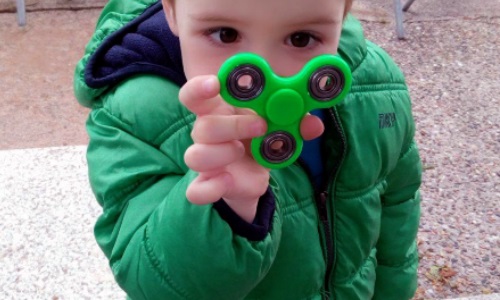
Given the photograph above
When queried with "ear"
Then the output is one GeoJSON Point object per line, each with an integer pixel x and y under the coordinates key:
{"type": "Point", "coordinates": [348, 7]}
{"type": "Point", "coordinates": [169, 9]}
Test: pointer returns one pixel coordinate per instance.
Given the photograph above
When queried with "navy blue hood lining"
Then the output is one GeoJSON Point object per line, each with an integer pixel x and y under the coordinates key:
{"type": "Point", "coordinates": [145, 45]}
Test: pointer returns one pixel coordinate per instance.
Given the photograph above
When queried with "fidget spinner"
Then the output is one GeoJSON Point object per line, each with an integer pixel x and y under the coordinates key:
{"type": "Point", "coordinates": [247, 81]}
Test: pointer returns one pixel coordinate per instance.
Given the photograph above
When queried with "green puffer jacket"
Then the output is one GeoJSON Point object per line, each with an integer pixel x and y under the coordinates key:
{"type": "Point", "coordinates": [355, 238]}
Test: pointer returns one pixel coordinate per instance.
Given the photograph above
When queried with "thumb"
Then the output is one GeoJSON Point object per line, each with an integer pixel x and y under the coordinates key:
{"type": "Point", "coordinates": [311, 127]}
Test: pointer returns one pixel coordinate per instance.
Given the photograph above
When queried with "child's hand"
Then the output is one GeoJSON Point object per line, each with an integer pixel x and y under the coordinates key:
{"type": "Point", "coordinates": [221, 150]}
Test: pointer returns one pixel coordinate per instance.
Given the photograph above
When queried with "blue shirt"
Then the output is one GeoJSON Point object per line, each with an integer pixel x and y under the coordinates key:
{"type": "Point", "coordinates": [311, 154]}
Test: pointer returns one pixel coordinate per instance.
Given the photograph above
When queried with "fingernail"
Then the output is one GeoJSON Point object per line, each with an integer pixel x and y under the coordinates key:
{"type": "Point", "coordinates": [258, 128]}
{"type": "Point", "coordinates": [209, 84]}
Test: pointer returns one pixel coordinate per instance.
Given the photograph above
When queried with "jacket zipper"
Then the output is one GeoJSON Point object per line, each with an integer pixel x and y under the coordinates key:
{"type": "Point", "coordinates": [330, 185]}
{"type": "Point", "coordinates": [321, 199]}
{"type": "Point", "coordinates": [323, 202]}
{"type": "Point", "coordinates": [330, 246]}
{"type": "Point", "coordinates": [322, 207]}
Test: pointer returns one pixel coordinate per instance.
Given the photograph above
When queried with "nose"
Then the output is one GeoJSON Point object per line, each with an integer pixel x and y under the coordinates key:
{"type": "Point", "coordinates": [282, 65]}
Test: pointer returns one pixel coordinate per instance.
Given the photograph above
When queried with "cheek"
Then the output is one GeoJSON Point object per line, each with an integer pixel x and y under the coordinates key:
{"type": "Point", "coordinates": [197, 62]}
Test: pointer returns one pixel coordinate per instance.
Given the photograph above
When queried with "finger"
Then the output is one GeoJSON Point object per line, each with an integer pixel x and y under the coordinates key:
{"type": "Point", "coordinates": [252, 186]}
{"type": "Point", "coordinates": [311, 127]}
{"type": "Point", "coordinates": [204, 157]}
{"type": "Point", "coordinates": [218, 129]}
{"type": "Point", "coordinates": [204, 190]}
{"type": "Point", "coordinates": [199, 94]}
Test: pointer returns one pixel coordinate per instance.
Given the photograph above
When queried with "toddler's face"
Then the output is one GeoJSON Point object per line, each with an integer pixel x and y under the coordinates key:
{"type": "Point", "coordinates": [287, 33]}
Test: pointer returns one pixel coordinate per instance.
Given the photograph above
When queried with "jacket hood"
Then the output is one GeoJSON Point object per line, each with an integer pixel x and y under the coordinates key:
{"type": "Point", "coordinates": [133, 37]}
{"type": "Point", "coordinates": [145, 45]}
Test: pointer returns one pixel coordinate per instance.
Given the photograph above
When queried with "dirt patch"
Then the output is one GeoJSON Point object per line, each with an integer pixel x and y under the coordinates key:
{"type": "Point", "coordinates": [36, 70]}
{"type": "Point", "coordinates": [36, 5]}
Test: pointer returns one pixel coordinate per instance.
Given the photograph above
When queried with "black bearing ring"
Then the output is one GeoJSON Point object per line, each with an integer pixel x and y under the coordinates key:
{"type": "Point", "coordinates": [320, 93]}
{"type": "Point", "coordinates": [245, 94]}
{"type": "Point", "coordinates": [280, 155]}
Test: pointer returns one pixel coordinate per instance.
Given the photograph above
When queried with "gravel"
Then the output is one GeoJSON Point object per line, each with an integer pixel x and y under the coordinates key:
{"type": "Point", "coordinates": [452, 69]}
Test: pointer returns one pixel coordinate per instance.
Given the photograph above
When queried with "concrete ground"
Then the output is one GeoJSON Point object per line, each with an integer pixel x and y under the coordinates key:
{"type": "Point", "coordinates": [47, 250]}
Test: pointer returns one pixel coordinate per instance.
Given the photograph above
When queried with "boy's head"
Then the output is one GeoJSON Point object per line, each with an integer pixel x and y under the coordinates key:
{"type": "Point", "coordinates": [287, 33]}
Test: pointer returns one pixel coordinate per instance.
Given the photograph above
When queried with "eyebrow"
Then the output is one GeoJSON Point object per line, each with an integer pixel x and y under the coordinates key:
{"type": "Point", "coordinates": [215, 18]}
{"type": "Point", "coordinates": [212, 18]}
{"type": "Point", "coordinates": [324, 20]}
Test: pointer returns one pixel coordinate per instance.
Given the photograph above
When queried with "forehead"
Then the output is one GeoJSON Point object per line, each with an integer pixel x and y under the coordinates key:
{"type": "Point", "coordinates": [264, 11]}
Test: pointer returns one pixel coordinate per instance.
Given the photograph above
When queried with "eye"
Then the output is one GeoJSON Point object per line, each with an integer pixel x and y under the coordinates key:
{"type": "Point", "coordinates": [301, 39]}
{"type": "Point", "coordinates": [225, 35]}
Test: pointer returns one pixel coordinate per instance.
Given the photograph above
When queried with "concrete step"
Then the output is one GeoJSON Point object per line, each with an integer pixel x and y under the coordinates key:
{"type": "Point", "coordinates": [47, 214]}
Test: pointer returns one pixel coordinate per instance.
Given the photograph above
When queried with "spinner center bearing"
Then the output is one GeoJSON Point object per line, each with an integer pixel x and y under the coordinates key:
{"type": "Point", "coordinates": [285, 107]}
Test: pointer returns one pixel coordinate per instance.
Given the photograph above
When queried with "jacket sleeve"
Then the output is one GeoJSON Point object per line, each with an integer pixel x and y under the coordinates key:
{"type": "Point", "coordinates": [397, 253]}
{"type": "Point", "coordinates": [160, 246]}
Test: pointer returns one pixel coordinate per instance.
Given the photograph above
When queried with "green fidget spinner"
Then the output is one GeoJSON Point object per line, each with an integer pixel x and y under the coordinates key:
{"type": "Point", "coordinates": [248, 81]}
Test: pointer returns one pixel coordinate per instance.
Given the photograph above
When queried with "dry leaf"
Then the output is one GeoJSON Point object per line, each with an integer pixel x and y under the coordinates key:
{"type": "Point", "coordinates": [447, 272]}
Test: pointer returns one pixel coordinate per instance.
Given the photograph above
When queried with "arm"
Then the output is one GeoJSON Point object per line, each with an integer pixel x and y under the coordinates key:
{"type": "Point", "coordinates": [161, 246]}
{"type": "Point", "coordinates": [397, 253]}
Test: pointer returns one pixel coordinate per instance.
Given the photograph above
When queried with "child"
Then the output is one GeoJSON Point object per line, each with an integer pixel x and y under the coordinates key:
{"type": "Point", "coordinates": [188, 213]}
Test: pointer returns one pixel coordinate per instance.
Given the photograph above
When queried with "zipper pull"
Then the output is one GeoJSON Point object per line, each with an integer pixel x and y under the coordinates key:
{"type": "Point", "coordinates": [322, 197]}
{"type": "Point", "coordinates": [323, 214]}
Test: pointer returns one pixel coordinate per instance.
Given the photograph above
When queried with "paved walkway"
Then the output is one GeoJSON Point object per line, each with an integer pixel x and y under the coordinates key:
{"type": "Point", "coordinates": [47, 250]}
